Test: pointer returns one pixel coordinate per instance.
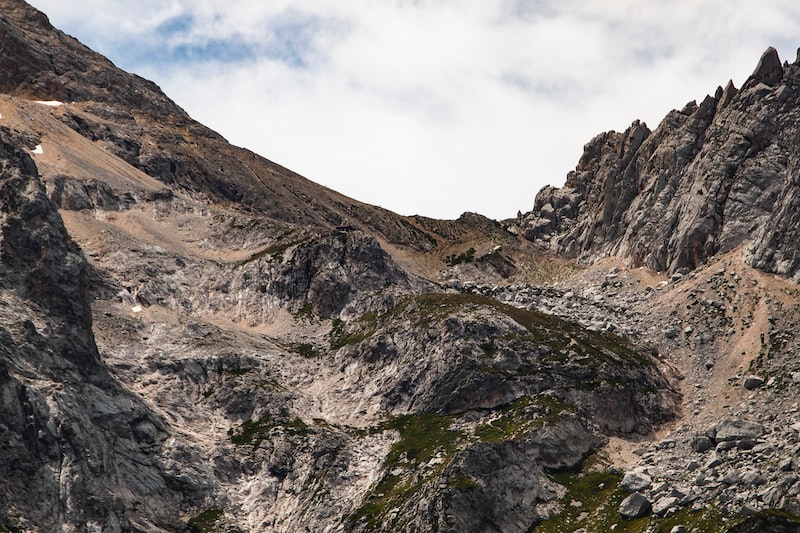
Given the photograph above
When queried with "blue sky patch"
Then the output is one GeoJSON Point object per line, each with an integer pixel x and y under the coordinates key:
{"type": "Point", "coordinates": [292, 37]}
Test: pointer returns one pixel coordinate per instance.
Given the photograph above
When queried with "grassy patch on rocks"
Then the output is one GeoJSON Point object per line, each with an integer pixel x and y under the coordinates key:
{"type": "Point", "coordinates": [564, 340]}
{"type": "Point", "coordinates": [343, 334]}
{"type": "Point", "coordinates": [591, 503]}
{"type": "Point", "coordinates": [273, 252]}
{"type": "Point", "coordinates": [519, 417]}
{"type": "Point", "coordinates": [425, 447]}
{"type": "Point", "coordinates": [206, 522]}
{"type": "Point", "coordinates": [254, 432]}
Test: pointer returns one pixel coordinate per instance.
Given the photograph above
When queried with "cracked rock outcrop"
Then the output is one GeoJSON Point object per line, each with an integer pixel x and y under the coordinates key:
{"type": "Point", "coordinates": [709, 178]}
{"type": "Point", "coordinates": [70, 433]}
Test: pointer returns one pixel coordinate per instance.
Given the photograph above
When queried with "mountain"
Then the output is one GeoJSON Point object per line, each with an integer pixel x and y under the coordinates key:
{"type": "Point", "coordinates": [197, 339]}
{"type": "Point", "coordinates": [709, 178]}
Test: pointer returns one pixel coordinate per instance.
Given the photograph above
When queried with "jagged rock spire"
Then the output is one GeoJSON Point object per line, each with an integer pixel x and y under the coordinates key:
{"type": "Point", "coordinates": [768, 70]}
{"type": "Point", "coordinates": [709, 179]}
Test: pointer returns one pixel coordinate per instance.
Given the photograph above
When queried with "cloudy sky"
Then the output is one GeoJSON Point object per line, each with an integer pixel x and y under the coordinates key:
{"type": "Point", "coordinates": [431, 107]}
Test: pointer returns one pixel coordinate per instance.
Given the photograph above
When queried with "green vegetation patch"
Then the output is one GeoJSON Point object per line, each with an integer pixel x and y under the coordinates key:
{"type": "Point", "coordinates": [591, 502]}
{"type": "Point", "coordinates": [489, 348]}
{"type": "Point", "coordinates": [768, 520]}
{"type": "Point", "coordinates": [254, 432]}
{"type": "Point", "coordinates": [462, 483]}
{"type": "Point", "coordinates": [520, 416]}
{"type": "Point", "coordinates": [408, 467]}
{"type": "Point", "coordinates": [235, 372]}
{"type": "Point", "coordinates": [274, 251]}
{"type": "Point", "coordinates": [305, 349]}
{"type": "Point", "coordinates": [307, 310]}
{"type": "Point", "coordinates": [426, 447]}
{"type": "Point", "coordinates": [343, 334]}
{"type": "Point", "coordinates": [708, 520]}
{"type": "Point", "coordinates": [560, 335]}
{"type": "Point", "coordinates": [420, 437]}
{"type": "Point", "coordinates": [206, 522]}
{"type": "Point", "coordinates": [563, 338]}
{"type": "Point", "coordinates": [457, 259]}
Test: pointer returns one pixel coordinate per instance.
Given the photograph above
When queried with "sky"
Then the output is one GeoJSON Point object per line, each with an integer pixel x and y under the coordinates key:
{"type": "Point", "coordinates": [431, 107]}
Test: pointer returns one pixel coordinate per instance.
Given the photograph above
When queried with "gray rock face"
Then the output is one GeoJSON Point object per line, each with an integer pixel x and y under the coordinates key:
{"type": "Point", "coordinates": [634, 481]}
{"type": "Point", "coordinates": [736, 429]}
{"type": "Point", "coordinates": [278, 371]}
{"type": "Point", "coordinates": [635, 506]}
{"type": "Point", "coordinates": [280, 375]}
{"type": "Point", "coordinates": [710, 178]}
{"type": "Point", "coordinates": [72, 434]}
{"type": "Point", "coordinates": [665, 506]}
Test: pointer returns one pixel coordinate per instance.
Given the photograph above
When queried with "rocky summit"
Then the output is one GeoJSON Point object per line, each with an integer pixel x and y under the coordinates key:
{"type": "Point", "coordinates": [196, 339]}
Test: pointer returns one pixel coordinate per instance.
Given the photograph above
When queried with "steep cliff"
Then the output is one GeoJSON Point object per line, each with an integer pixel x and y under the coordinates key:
{"type": "Point", "coordinates": [78, 448]}
{"type": "Point", "coordinates": [710, 178]}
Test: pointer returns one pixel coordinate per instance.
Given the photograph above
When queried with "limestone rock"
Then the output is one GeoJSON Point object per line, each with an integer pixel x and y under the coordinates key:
{"type": "Point", "coordinates": [707, 179]}
{"type": "Point", "coordinates": [635, 506]}
{"type": "Point", "coordinates": [73, 434]}
{"type": "Point", "coordinates": [733, 429]}
{"type": "Point", "coordinates": [769, 69]}
{"type": "Point", "coordinates": [238, 344]}
{"type": "Point", "coordinates": [665, 507]}
{"type": "Point", "coordinates": [634, 481]}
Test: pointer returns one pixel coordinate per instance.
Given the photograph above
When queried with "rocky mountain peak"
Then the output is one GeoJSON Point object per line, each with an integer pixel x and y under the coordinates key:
{"type": "Point", "coordinates": [711, 177]}
{"type": "Point", "coordinates": [40, 62]}
{"type": "Point", "coordinates": [768, 70]}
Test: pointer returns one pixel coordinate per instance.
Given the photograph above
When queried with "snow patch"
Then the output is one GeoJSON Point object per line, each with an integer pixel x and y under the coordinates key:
{"type": "Point", "coordinates": [38, 150]}
{"type": "Point", "coordinates": [137, 309]}
{"type": "Point", "coordinates": [50, 103]}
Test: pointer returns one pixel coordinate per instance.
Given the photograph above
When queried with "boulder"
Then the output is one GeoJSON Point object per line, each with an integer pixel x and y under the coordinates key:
{"type": "Point", "coordinates": [752, 478]}
{"type": "Point", "coordinates": [635, 506]}
{"type": "Point", "coordinates": [701, 444]}
{"type": "Point", "coordinates": [635, 481]}
{"type": "Point", "coordinates": [733, 429]}
{"type": "Point", "coordinates": [665, 506]}
{"type": "Point", "coordinates": [752, 382]}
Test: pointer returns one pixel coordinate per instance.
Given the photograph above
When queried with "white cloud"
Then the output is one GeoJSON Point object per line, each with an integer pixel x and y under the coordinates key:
{"type": "Point", "coordinates": [432, 106]}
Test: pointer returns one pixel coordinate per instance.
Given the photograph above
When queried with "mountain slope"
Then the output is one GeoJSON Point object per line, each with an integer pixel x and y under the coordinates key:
{"type": "Point", "coordinates": [196, 339]}
{"type": "Point", "coordinates": [256, 367]}
{"type": "Point", "coordinates": [135, 121]}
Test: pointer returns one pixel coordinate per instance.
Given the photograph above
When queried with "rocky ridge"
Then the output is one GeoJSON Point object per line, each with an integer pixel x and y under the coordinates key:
{"type": "Point", "coordinates": [197, 349]}
{"type": "Point", "coordinates": [709, 178]}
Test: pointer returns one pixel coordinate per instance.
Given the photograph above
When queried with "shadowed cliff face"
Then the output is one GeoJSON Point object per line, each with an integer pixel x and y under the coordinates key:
{"type": "Point", "coordinates": [40, 262]}
{"type": "Point", "coordinates": [70, 433]}
{"type": "Point", "coordinates": [710, 178]}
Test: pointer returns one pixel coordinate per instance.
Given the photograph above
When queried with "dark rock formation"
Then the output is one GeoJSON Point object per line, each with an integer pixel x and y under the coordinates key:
{"type": "Point", "coordinates": [710, 178]}
{"type": "Point", "coordinates": [78, 448]}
